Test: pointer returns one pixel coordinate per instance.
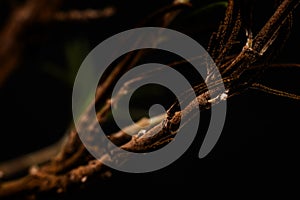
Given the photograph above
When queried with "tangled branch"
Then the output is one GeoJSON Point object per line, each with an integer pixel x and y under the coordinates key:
{"type": "Point", "coordinates": [74, 165]}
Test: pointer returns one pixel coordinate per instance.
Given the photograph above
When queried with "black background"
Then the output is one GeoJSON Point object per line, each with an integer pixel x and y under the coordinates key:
{"type": "Point", "coordinates": [259, 142]}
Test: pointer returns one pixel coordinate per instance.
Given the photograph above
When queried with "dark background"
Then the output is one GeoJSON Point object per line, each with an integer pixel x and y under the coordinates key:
{"type": "Point", "coordinates": [259, 141]}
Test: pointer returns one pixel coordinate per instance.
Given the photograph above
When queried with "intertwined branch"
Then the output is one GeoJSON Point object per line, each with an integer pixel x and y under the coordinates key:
{"type": "Point", "coordinates": [74, 165]}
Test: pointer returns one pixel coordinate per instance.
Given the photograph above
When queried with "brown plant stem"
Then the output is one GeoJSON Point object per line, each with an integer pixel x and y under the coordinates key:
{"type": "Point", "coordinates": [84, 15]}
{"type": "Point", "coordinates": [70, 168]}
{"type": "Point", "coordinates": [11, 34]}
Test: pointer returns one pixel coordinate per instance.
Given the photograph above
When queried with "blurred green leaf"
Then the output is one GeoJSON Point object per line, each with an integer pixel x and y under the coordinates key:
{"type": "Point", "coordinates": [210, 8]}
{"type": "Point", "coordinates": [75, 52]}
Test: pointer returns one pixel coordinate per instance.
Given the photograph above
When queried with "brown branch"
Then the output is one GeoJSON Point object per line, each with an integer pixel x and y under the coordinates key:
{"type": "Point", "coordinates": [170, 126]}
{"type": "Point", "coordinates": [46, 178]}
{"type": "Point", "coordinates": [84, 15]}
{"type": "Point", "coordinates": [60, 178]}
{"type": "Point", "coordinates": [263, 88]}
{"type": "Point", "coordinates": [74, 150]}
{"type": "Point", "coordinates": [223, 32]}
{"type": "Point", "coordinates": [276, 66]}
{"type": "Point", "coordinates": [10, 36]}
{"type": "Point", "coordinates": [40, 182]}
{"type": "Point", "coordinates": [126, 133]}
{"type": "Point", "coordinates": [262, 40]}
{"type": "Point", "coordinates": [254, 50]}
{"type": "Point", "coordinates": [17, 165]}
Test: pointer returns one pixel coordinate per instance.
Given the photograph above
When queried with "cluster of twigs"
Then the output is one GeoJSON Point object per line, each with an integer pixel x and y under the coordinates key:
{"type": "Point", "coordinates": [74, 165]}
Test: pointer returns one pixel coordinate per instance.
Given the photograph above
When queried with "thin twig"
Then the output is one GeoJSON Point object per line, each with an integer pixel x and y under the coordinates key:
{"type": "Point", "coordinates": [263, 88]}
{"type": "Point", "coordinates": [260, 43]}
{"type": "Point", "coordinates": [42, 180]}
{"type": "Point", "coordinates": [276, 66]}
{"type": "Point", "coordinates": [84, 15]}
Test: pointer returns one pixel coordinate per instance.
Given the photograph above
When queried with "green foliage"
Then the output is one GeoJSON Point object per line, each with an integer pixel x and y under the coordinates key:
{"type": "Point", "coordinates": [207, 9]}
{"type": "Point", "coordinates": [74, 53]}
